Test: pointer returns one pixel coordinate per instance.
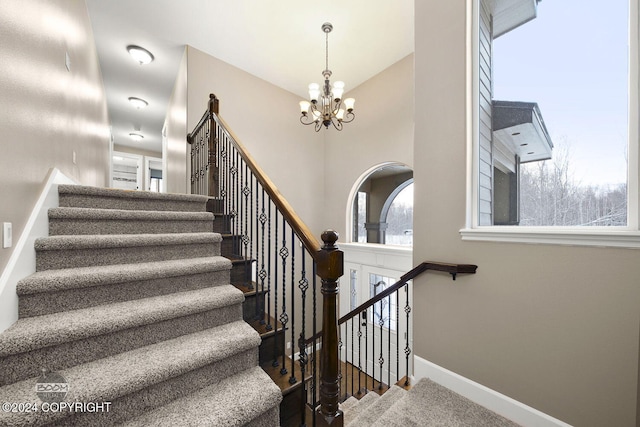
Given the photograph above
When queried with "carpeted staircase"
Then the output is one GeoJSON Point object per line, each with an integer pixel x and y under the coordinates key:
{"type": "Point", "coordinates": [132, 304]}
{"type": "Point", "coordinates": [425, 404]}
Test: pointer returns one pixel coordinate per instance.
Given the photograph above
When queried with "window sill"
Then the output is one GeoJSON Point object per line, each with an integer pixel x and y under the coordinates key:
{"type": "Point", "coordinates": [615, 238]}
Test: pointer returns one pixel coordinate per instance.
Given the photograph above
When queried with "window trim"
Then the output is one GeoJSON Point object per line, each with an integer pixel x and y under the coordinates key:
{"type": "Point", "coordinates": [625, 237]}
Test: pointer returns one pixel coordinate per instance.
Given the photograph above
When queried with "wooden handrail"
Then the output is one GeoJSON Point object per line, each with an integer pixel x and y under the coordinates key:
{"type": "Point", "coordinates": [453, 269]}
{"type": "Point", "coordinates": [308, 239]}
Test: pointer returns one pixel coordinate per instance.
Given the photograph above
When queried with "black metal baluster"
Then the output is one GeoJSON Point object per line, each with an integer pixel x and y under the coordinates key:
{"type": "Point", "coordinates": [373, 346]}
{"type": "Point", "coordinates": [352, 357]}
{"type": "Point", "coordinates": [303, 285]}
{"type": "Point", "coordinates": [234, 204]}
{"type": "Point", "coordinates": [389, 344]}
{"type": "Point", "coordinates": [269, 326]}
{"type": "Point", "coordinates": [275, 279]}
{"type": "Point", "coordinates": [380, 358]}
{"type": "Point", "coordinates": [340, 345]}
{"type": "Point", "coordinates": [366, 351]}
{"type": "Point", "coordinates": [292, 378]}
{"type": "Point", "coordinates": [259, 285]}
{"type": "Point", "coordinates": [397, 335]}
{"type": "Point", "coordinates": [262, 218]}
{"type": "Point", "coordinates": [407, 349]}
{"type": "Point", "coordinates": [284, 318]}
{"type": "Point", "coordinates": [314, 381]}
{"type": "Point", "coordinates": [359, 353]}
{"type": "Point", "coordinates": [246, 192]}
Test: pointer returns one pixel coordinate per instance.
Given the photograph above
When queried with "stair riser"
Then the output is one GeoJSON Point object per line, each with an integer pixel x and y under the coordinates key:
{"type": "Point", "coordinates": [150, 397]}
{"type": "Point", "coordinates": [253, 307]}
{"type": "Point", "coordinates": [103, 202]}
{"type": "Point", "coordinates": [26, 365]}
{"type": "Point", "coordinates": [58, 227]}
{"type": "Point", "coordinates": [222, 224]}
{"type": "Point", "coordinates": [271, 347]}
{"type": "Point", "coordinates": [58, 259]}
{"type": "Point", "coordinates": [230, 246]}
{"type": "Point", "coordinates": [241, 272]}
{"type": "Point", "coordinates": [54, 302]}
{"type": "Point", "coordinates": [215, 205]}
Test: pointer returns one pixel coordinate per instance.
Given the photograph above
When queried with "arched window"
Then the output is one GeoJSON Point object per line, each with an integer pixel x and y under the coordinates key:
{"type": "Point", "coordinates": [398, 214]}
{"type": "Point", "coordinates": [382, 207]}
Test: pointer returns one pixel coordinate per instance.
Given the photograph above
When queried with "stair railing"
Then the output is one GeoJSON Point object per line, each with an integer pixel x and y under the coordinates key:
{"type": "Point", "coordinates": [381, 313]}
{"type": "Point", "coordinates": [265, 231]}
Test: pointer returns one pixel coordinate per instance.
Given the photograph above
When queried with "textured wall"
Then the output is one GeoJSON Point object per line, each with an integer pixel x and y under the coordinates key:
{"type": "Point", "coordinates": [48, 112]}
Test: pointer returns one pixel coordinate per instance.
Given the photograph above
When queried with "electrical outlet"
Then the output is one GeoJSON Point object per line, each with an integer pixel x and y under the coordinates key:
{"type": "Point", "coordinates": [288, 345]}
{"type": "Point", "coordinates": [7, 238]}
{"type": "Point", "coordinates": [74, 157]}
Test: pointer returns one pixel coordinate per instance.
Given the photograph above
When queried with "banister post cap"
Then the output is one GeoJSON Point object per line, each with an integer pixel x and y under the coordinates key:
{"type": "Point", "coordinates": [329, 237]}
{"type": "Point", "coordinates": [331, 258]}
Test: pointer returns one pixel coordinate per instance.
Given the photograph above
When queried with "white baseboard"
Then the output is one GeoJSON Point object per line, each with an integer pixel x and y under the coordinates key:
{"type": "Point", "coordinates": [23, 259]}
{"type": "Point", "coordinates": [491, 399]}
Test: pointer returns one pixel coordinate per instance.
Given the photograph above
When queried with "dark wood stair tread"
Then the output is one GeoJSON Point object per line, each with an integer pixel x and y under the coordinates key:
{"type": "Point", "coordinates": [261, 327]}
{"type": "Point", "coordinates": [281, 380]}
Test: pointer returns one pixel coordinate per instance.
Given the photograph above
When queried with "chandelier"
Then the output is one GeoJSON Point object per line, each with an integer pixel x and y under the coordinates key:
{"type": "Point", "coordinates": [326, 106]}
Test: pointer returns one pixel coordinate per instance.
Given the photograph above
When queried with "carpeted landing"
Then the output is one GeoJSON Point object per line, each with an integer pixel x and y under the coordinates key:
{"type": "Point", "coordinates": [131, 316]}
{"type": "Point", "coordinates": [426, 404]}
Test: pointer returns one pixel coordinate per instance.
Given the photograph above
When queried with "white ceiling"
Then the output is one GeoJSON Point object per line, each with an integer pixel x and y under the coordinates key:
{"type": "Point", "coordinates": [277, 40]}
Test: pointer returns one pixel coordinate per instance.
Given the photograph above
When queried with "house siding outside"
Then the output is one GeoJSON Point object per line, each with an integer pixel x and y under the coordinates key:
{"type": "Point", "coordinates": [485, 181]}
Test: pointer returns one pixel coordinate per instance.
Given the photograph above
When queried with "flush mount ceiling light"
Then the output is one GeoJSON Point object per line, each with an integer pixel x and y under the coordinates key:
{"type": "Point", "coordinates": [140, 54]}
{"type": "Point", "coordinates": [136, 136]}
{"type": "Point", "coordinates": [325, 105]}
{"type": "Point", "coordinates": [137, 102]}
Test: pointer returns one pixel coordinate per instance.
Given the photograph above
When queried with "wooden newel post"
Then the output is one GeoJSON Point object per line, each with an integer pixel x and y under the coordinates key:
{"type": "Point", "coordinates": [213, 167]}
{"type": "Point", "coordinates": [330, 269]}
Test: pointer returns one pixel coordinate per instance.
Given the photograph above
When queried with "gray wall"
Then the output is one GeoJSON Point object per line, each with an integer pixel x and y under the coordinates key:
{"type": "Point", "coordinates": [48, 113]}
{"type": "Point", "coordinates": [555, 327]}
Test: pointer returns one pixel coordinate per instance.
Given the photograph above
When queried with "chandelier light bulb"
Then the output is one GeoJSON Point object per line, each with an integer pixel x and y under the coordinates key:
{"type": "Point", "coordinates": [349, 103]}
{"type": "Point", "coordinates": [304, 107]}
{"type": "Point", "coordinates": [338, 90]}
{"type": "Point", "coordinates": [314, 92]}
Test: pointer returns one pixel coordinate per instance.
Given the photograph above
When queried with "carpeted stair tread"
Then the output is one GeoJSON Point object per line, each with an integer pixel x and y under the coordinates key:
{"type": "Point", "coordinates": [347, 404]}
{"type": "Point", "coordinates": [375, 411]}
{"type": "Point", "coordinates": [234, 401]}
{"type": "Point", "coordinates": [58, 252]}
{"type": "Point", "coordinates": [428, 403]}
{"type": "Point", "coordinates": [78, 242]}
{"type": "Point", "coordinates": [84, 221]}
{"type": "Point", "coordinates": [367, 400]}
{"type": "Point", "coordinates": [44, 331]}
{"type": "Point", "coordinates": [109, 198]}
{"type": "Point", "coordinates": [84, 277]}
{"type": "Point", "coordinates": [124, 214]}
{"type": "Point", "coordinates": [108, 379]}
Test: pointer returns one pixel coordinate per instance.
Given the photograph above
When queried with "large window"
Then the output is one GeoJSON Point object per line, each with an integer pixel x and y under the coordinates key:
{"type": "Point", "coordinates": [554, 83]}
